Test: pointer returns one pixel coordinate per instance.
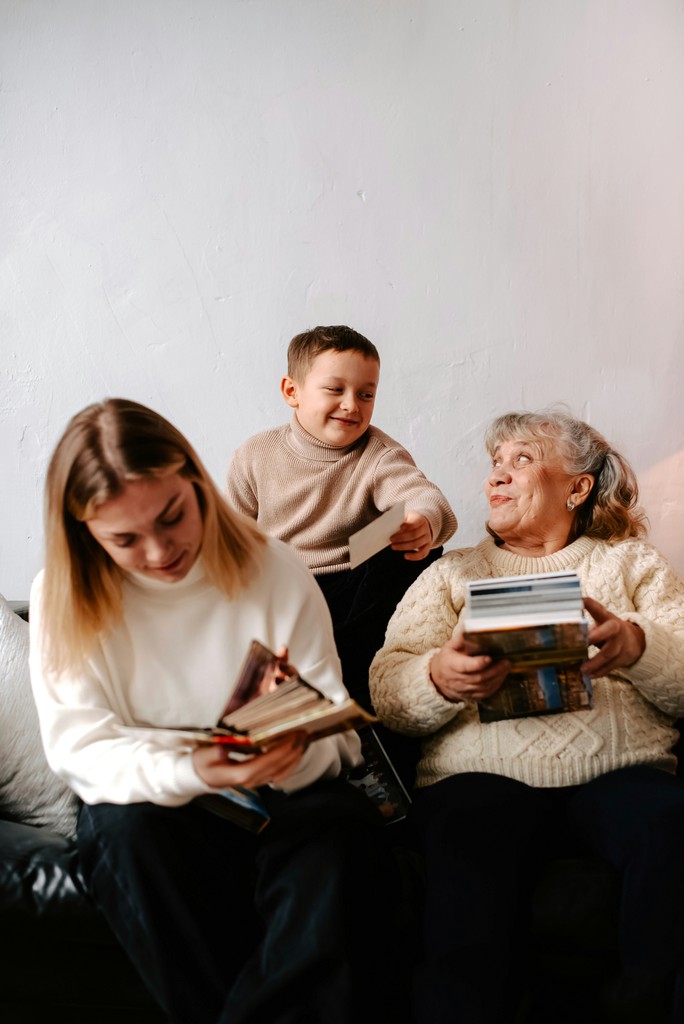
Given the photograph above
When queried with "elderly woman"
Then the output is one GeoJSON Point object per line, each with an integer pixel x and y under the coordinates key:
{"type": "Point", "coordinates": [490, 796]}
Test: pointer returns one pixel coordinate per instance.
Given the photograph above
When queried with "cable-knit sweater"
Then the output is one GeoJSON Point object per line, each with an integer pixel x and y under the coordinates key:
{"type": "Point", "coordinates": [314, 495]}
{"type": "Point", "coordinates": [632, 721]}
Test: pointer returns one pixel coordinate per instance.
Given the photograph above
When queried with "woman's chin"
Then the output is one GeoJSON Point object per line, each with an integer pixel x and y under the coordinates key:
{"type": "Point", "coordinates": [501, 525]}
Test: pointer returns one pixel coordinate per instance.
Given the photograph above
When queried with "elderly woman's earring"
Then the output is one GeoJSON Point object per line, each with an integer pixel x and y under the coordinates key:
{"type": "Point", "coordinates": [570, 507]}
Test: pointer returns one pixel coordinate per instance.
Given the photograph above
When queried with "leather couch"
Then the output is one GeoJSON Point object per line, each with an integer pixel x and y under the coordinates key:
{"type": "Point", "coordinates": [60, 962]}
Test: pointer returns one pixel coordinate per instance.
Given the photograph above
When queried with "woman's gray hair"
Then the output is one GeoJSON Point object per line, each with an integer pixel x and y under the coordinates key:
{"type": "Point", "coordinates": [611, 512]}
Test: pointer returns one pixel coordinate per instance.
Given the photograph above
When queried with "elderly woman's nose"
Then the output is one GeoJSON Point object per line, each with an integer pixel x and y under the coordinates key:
{"type": "Point", "coordinates": [500, 474]}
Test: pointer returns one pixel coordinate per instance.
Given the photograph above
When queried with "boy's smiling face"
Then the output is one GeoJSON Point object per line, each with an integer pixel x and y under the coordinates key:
{"type": "Point", "coordinates": [335, 401]}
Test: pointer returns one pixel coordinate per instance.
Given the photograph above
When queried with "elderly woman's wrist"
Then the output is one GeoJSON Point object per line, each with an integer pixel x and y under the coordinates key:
{"type": "Point", "coordinates": [440, 684]}
{"type": "Point", "coordinates": [639, 641]}
{"type": "Point", "coordinates": [434, 674]}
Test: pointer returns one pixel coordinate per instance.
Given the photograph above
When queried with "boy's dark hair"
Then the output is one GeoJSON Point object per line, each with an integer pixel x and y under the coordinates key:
{"type": "Point", "coordinates": [304, 347]}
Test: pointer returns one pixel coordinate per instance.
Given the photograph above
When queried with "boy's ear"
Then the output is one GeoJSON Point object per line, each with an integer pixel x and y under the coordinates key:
{"type": "Point", "coordinates": [288, 389]}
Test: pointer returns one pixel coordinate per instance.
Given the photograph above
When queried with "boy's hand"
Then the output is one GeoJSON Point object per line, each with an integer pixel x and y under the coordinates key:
{"type": "Point", "coordinates": [414, 536]}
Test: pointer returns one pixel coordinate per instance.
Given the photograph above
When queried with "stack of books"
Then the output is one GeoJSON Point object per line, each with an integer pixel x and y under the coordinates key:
{"type": "Point", "coordinates": [538, 623]}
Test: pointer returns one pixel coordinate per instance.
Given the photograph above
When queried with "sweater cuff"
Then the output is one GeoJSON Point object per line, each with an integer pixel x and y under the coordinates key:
{"type": "Point", "coordinates": [650, 665]}
{"type": "Point", "coordinates": [187, 781]}
{"type": "Point", "coordinates": [432, 708]}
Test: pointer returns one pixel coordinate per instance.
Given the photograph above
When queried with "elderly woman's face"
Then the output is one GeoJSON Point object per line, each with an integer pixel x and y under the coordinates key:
{"type": "Point", "coordinates": [528, 490]}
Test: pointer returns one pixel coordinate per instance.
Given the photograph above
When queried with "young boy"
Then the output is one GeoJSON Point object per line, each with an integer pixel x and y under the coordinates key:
{"type": "Point", "coordinates": [325, 475]}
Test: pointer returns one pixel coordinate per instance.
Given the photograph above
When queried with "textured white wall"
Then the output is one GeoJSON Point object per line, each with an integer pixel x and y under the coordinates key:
{"type": "Point", "coordinates": [491, 190]}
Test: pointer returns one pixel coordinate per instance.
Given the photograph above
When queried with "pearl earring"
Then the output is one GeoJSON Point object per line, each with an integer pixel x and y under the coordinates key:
{"type": "Point", "coordinates": [570, 507]}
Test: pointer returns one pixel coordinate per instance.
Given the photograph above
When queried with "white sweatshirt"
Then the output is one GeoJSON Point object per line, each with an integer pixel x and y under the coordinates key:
{"type": "Point", "coordinates": [173, 661]}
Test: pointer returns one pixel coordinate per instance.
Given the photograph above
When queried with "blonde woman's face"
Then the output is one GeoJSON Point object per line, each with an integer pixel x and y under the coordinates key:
{"type": "Point", "coordinates": [153, 527]}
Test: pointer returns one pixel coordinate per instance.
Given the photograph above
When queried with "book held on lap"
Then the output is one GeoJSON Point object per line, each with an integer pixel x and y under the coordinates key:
{"type": "Point", "coordinates": [269, 701]}
{"type": "Point", "coordinates": [538, 623]}
{"type": "Point", "coordinates": [238, 804]}
{"type": "Point", "coordinates": [378, 780]}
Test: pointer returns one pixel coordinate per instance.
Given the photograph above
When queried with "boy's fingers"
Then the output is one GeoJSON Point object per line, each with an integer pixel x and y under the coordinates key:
{"type": "Point", "coordinates": [417, 556]}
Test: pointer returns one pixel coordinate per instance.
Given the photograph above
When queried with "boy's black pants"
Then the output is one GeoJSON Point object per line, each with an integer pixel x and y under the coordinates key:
{"type": "Point", "coordinates": [361, 603]}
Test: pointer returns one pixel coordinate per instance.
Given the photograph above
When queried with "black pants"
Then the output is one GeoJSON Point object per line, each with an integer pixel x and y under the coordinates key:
{"type": "Point", "coordinates": [289, 926]}
{"type": "Point", "coordinates": [361, 603]}
{"type": "Point", "coordinates": [486, 838]}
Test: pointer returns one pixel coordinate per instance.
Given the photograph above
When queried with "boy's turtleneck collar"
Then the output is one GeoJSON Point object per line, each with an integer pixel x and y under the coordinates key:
{"type": "Point", "coordinates": [310, 447]}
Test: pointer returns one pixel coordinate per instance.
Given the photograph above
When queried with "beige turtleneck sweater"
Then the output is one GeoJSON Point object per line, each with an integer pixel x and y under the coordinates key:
{"type": "Point", "coordinates": [632, 721]}
{"type": "Point", "coordinates": [314, 496]}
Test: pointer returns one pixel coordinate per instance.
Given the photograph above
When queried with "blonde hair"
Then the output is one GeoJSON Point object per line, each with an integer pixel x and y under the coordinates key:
{"type": "Point", "coordinates": [611, 512]}
{"type": "Point", "coordinates": [103, 447]}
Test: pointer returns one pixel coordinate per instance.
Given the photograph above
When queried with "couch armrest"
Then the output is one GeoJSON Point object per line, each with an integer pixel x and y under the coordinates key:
{"type": "Point", "coordinates": [21, 608]}
{"type": "Point", "coordinates": [40, 879]}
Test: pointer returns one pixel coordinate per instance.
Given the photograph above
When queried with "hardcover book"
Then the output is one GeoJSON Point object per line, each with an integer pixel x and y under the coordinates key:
{"type": "Point", "coordinates": [378, 780]}
{"type": "Point", "coordinates": [238, 804]}
{"type": "Point", "coordinates": [538, 623]}
{"type": "Point", "coordinates": [269, 701]}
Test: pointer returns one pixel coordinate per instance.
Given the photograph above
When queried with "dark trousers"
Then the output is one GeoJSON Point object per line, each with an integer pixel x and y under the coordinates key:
{"type": "Point", "coordinates": [291, 926]}
{"type": "Point", "coordinates": [361, 603]}
{"type": "Point", "coordinates": [485, 840]}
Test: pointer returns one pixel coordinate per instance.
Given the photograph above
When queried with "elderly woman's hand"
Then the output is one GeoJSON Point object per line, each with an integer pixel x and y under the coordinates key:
{"type": "Point", "coordinates": [461, 676]}
{"type": "Point", "coordinates": [620, 642]}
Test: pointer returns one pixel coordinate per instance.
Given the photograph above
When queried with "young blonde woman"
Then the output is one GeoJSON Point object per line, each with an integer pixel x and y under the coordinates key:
{"type": "Point", "coordinates": [151, 593]}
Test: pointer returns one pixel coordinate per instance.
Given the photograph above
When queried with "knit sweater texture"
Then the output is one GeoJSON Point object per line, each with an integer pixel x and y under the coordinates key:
{"type": "Point", "coordinates": [173, 660]}
{"type": "Point", "coordinates": [314, 495]}
{"type": "Point", "coordinates": [632, 721]}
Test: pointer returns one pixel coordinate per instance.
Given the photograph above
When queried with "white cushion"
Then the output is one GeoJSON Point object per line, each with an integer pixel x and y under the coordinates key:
{"type": "Point", "coordinates": [29, 791]}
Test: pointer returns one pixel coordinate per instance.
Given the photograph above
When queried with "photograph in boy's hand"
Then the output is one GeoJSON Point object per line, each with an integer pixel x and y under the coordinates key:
{"type": "Point", "coordinates": [370, 539]}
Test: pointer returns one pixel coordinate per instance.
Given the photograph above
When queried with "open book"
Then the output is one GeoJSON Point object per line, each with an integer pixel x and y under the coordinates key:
{"type": "Point", "coordinates": [538, 623]}
{"type": "Point", "coordinates": [269, 701]}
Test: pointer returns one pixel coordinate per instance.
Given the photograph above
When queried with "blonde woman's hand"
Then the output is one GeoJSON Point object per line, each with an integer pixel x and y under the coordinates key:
{"type": "Point", "coordinates": [461, 676]}
{"type": "Point", "coordinates": [620, 642]}
{"type": "Point", "coordinates": [275, 765]}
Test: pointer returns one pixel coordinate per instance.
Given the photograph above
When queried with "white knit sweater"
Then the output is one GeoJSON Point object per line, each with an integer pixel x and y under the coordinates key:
{"type": "Point", "coordinates": [634, 708]}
